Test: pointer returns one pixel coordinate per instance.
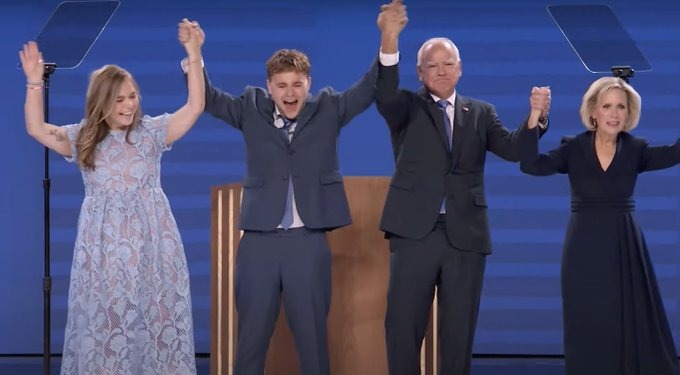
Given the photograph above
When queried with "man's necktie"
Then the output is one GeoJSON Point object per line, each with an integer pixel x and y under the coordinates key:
{"type": "Point", "coordinates": [449, 130]}
{"type": "Point", "coordinates": [443, 104]}
{"type": "Point", "coordinates": [287, 219]}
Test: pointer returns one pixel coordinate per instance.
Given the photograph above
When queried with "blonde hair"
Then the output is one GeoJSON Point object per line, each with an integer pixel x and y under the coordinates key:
{"type": "Point", "coordinates": [603, 86]}
{"type": "Point", "coordinates": [102, 91]}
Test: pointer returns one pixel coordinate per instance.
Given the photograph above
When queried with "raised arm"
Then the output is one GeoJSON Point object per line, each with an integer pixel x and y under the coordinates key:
{"type": "Point", "coordinates": [51, 136]}
{"type": "Point", "coordinates": [523, 142]}
{"type": "Point", "coordinates": [508, 145]}
{"type": "Point", "coordinates": [192, 37]}
{"type": "Point", "coordinates": [356, 99]}
{"type": "Point", "coordinates": [391, 21]}
{"type": "Point", "coordinates": [540, 105]}
{"type": "Point", "coordinates": [660, 157]}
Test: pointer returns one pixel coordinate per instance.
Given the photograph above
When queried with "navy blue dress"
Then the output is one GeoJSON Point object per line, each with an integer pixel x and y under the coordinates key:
{"type": "Point", "coordinates": [614, 319]}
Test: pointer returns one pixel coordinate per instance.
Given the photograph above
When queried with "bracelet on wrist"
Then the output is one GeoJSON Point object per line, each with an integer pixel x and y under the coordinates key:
{"type": "Point", "coordinates": [35, 86]}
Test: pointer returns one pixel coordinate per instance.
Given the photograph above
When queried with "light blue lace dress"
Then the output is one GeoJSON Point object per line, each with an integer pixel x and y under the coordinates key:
{"type": "Point", "coordinates": [129, 307]}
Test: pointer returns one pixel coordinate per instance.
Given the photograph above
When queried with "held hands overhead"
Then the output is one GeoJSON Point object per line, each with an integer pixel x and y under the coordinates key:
{"type": "Point", "coordinates": [191, 36]}
{"type": "Point", "coordinates": [391, 20]}
{"type": "Point", "coordinates": [539, 100]}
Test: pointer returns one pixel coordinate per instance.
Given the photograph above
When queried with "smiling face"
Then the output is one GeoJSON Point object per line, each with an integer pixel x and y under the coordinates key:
{"type": "Point", "coordinates": [611, 112]}
{"type": "Point", "coordinates": [113, 99]}
{"type": "Point", "coordinates": [288, 81]}
{"type": "Point", "coordinates": [125, 107]}
{"type": "Point", "coordinates": [289, 91]}
{"type": "Point", "coordinates": [439, 67]}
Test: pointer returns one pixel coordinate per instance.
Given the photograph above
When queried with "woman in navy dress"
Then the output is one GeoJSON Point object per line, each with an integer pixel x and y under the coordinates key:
{"type": "Point", "coordinates": [614, 319]}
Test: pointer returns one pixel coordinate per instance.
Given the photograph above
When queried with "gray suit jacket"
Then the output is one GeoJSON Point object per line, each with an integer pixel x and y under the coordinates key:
{"type": "Point", "coordinates": [311, 156]}
{"type": "Point", "coordinates": [426, 170]}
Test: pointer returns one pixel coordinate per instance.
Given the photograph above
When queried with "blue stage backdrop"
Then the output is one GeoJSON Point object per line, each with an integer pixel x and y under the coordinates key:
{"type": "Point", "coordinates": [506, 46]}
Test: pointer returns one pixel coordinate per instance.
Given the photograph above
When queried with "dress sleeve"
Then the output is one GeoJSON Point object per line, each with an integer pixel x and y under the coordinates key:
{"type": "Point", "coordinates": [534, 163]}
{"type": "Point", "coordinates": [72, 132]}
{"type": "Point", "coordinates": [158, 128]}
{"type": "Point", "coordinates": [659, 157]}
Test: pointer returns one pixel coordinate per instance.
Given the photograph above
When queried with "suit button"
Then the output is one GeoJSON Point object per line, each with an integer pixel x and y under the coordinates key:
{"type": "Point", "coordinates": [291, 152]}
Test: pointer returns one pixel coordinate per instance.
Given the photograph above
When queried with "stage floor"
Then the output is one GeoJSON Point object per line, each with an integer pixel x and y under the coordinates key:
{"type": "Point", "coordinates": [480, 366]}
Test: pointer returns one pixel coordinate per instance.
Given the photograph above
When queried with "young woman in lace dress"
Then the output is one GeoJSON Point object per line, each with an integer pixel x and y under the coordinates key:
{"type": "Point", "coordinates": [129, 304]}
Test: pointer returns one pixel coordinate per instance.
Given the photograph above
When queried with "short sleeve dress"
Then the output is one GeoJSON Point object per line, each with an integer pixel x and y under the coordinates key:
{"type": "Point", "coordinates": [129, 303]}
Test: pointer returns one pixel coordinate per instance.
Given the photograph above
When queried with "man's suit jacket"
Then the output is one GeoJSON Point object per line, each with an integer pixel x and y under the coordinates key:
{"type": "Point", "coordinates": [310, 157]}
{"type": "Point", "coordinates": [426, 169]}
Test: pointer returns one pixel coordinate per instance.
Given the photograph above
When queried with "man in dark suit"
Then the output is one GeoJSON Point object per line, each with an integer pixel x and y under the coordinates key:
{"type": "Point", "coordinates": [435, 214]}
{"type": "Point", "coordinates": [292, 194]}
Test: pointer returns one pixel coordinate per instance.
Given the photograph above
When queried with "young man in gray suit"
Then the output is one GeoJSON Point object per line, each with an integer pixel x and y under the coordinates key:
{"type": "Point", "coordinates": [292, 194]}
{"type": "Point", "coordinates": [435, 212]}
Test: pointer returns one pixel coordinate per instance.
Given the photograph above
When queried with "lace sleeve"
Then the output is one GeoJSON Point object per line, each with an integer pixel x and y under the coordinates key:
{"type": "Point", "coordinates": [72, 132]}
{"type": "Point", "coordinates": [158, 127]}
